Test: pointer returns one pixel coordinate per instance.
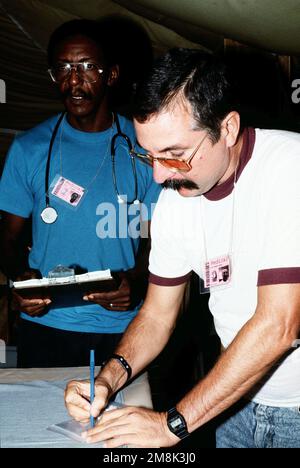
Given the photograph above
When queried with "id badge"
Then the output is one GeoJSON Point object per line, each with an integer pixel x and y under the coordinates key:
{"type": "Point", "coordinates": [66, 191]}
{"type": "Point", "coordinates": [217, 274]}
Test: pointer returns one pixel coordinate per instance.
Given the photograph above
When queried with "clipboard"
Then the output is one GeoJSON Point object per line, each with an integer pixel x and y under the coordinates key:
{"type": "Point", "coordinates": [96, 281]}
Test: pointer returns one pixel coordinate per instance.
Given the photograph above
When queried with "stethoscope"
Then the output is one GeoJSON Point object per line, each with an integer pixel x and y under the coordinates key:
{"type": "Point", "coordinates": [125, 137]}
{"type": "Point", "coordinates": [49, 214]}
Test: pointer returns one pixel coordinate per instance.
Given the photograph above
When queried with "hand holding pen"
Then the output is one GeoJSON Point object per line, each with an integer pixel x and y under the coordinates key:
{"type": "Point", "coordinates": [81, 394]}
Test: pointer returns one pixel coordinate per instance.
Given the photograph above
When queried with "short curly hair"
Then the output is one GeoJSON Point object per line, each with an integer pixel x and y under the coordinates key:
{"type": "Point", "coordinates": [84, 27]}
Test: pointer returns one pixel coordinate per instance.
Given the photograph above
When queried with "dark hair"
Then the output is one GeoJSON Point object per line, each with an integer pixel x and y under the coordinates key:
{"type": "Point", "coordinates": [201, 78]}
{"type": "Point", "coordinates": [83, 27]}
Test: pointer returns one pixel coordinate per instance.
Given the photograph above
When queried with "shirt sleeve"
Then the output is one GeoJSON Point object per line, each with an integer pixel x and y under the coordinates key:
{"type": "Point", "coordinates": [15, 192]}
{"type": "Point", "coordinates": [168, 264]}
{"type": "Point", "coordinates": [280, 248]}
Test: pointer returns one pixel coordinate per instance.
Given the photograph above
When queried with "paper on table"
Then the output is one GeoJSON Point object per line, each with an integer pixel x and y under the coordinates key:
{"type": "Point", "coordinates": [73, 429]}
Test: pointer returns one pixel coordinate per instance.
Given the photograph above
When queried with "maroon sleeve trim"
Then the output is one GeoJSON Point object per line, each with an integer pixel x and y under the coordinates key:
{"type": "Point", "coordinates": [278, 276]}
{"type": "Point", "coordinates": [168, 281]}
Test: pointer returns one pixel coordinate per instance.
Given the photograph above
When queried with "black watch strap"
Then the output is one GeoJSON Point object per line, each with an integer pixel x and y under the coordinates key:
{"type": "Point", "coordinates": [123, 363]}
{"type": "Point", "coordinates": [177, 423]}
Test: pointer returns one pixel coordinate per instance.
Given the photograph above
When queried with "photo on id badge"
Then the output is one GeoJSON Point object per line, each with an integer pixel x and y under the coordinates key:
{"type": "Point", "coordinates": [66, 192]}
{"type": "Point", "coordinates": [217, 274]}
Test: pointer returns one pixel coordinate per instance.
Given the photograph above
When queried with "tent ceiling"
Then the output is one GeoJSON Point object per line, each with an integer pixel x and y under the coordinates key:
{"type": "Point", "coordinates": [268, 24]}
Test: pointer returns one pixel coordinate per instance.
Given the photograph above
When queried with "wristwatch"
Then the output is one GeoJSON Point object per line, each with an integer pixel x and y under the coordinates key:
{"type": "Point", "coordinates": [176, 423]}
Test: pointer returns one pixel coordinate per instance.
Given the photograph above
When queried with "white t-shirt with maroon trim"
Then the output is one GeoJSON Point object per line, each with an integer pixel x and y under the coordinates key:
{"type": "Point", "coordinates": [265, 243]}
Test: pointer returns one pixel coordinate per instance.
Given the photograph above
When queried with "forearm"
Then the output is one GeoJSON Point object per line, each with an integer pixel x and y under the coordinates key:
{"type": "Point", "coordinates": [147, 334]}
{"type": "Point", "coordinates": [244, 363]}
{"type": "Point", "coordinates": [143, 341]}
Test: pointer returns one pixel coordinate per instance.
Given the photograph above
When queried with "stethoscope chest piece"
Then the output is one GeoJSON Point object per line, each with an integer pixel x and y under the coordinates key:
{"type": "Point", "coordinates": [49, 215]}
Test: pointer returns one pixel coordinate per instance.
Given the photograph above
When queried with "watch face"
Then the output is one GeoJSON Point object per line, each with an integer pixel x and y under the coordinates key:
{"type": "Point", "coordinates": [176, 423]}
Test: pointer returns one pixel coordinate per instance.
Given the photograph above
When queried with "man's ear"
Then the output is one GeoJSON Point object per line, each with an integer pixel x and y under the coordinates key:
{"type": "Point", "coordinates": [113, 75]}
{"type": "Point", "coordinates": [232, 125]}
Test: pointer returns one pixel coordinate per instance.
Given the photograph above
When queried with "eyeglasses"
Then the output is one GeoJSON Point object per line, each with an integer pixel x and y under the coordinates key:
{"type": "Point", "coordinates": [174, 165]}
{"type": "Point", "coordinates": [87, 71]}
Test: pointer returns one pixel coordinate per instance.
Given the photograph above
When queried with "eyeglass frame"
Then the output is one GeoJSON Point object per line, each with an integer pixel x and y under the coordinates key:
{"type": "Point", "coordinates": [187, 161]}
{"type": "Point", "coordinates": [74, 65]}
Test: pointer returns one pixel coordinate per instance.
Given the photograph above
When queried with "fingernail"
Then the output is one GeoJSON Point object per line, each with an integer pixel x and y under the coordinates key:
{"type": "Point", "coordinates": [85, 298]}
{"type": "Point", "coordinates": [83, 434]}
{"type": "Point", "coordinates": [48, 301]}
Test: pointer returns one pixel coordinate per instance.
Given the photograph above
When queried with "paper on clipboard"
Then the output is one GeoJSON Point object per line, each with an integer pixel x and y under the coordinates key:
{"type": "Point", "coordinates": [101, 280]}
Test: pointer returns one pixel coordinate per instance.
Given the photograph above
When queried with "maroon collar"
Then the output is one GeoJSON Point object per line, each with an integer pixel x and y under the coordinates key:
{"type": "Point", "coordinates": [223, 190]}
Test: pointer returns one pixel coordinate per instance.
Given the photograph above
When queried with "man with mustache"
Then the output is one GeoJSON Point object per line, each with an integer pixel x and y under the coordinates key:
{"type": "Point", "coordinates": [232, 207]}
{"type": "Point", "coordinates": [69, 228]}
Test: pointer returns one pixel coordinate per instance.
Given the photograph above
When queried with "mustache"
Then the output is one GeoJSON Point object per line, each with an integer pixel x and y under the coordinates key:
{"type": "Point", "coordinates": [176, 184]}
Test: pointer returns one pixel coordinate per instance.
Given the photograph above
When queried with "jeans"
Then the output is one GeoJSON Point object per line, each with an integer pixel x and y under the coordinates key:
{"type": "Point", "coordinates": [252, 425]}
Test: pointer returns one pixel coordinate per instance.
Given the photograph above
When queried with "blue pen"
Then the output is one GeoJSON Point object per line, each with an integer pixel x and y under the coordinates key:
{"type": "Point", "coordinates": [92, 381]}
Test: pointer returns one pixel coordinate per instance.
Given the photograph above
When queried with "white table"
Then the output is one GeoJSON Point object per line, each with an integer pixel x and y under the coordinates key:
{"type": "Point", "coordinates": [33, 399]}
